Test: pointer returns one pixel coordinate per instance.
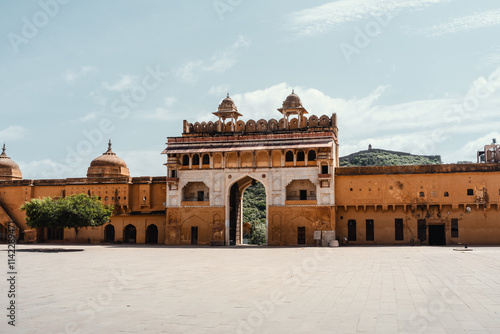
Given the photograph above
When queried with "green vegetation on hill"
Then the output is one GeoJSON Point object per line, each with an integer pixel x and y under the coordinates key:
{"type": "Point", "coordinates": [254, 213]}
{"type": "Point", "coordinates": [386, 159]}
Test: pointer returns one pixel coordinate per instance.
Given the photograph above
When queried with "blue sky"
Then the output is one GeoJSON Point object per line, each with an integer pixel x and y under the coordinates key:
{"type": "Point", "coordinates": [421, 76]}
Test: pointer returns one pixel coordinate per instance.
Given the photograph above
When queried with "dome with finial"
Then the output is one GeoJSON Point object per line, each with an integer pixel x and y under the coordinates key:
{"type": "Point", "coordinates": [9, 169]}
{"type": "Point", "coordinates": [108, 165]}
{"type": "Point", "coordinates": [292, 105]}
{"type": "Point", "coordinates": [292, 101]}
{"type": "Point", "coordinates": [227, 110]}
{"type": "Point", "coordinates": [227, 105]}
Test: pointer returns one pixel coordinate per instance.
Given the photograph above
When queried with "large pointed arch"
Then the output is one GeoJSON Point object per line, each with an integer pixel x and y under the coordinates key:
{"type": "Point", "coordinates": [234, 209]}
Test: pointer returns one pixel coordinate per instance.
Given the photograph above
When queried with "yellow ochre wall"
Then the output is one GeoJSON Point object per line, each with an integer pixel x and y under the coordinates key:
{"type": "Point", "coordinates": [139, 202]}
{"type": "Point", "coordinates": [387, 193]}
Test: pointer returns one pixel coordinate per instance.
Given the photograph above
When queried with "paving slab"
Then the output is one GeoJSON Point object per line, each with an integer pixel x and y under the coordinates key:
{"type": "Point", "coordinates": [162, 289]}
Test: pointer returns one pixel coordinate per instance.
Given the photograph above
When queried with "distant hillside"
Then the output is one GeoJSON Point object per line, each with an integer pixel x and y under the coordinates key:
{"type": "Point", "coordinates": [378, 157]}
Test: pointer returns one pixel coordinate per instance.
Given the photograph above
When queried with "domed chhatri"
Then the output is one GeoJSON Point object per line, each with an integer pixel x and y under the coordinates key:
{"type": "Point", "coordinates": [227, 110]}
{"type": "Point", "coordinates": [108, 165]}
{"type": "Point", "coordinates": [293, 106]}
{"type": "Point", "coordinates": [292, 101]}
{"type": "Point", "coordinates": [227, 105]}
{"type": "Point", "coordinates": [9, 169]}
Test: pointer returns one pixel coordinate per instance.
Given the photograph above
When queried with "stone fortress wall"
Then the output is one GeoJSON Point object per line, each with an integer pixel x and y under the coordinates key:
{"type": "Point", "coordinates": [296, 158]}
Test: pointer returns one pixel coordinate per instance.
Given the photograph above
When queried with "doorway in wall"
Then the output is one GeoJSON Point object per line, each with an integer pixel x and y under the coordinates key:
{"type": "Point", "coordinates": [351, 230]}
{"type": "Point", "coordinates": [301, 235]}
{"type": "Point", "coordinates": [129, 234]}
{"type": "Point", "coordinates": [247, 212]}
{"type": "Point", "coordinates": [109, 233]}
{"type": "Point", "coordinates": [254, 214]}
{"type": "Point", "coordinates": [152, 234]}
{"type": "Point", "coordinates": [437, 236]}
{"type": "Point", "coordinates": [194, 235]}
{"type": "Point", "coordinates": [422, 230]}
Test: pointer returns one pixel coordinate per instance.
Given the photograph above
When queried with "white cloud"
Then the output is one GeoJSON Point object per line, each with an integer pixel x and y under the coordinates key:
{"type": "Point", "coordinates": [465, 23]}
{"type": "Point", "coordinates": [88, 117]}
{"type": "Point", "coordinates": [219, 90]}
{"type": "Point", "coordinates": [72, 76]}
{"type": "Point", "coordinates": [45, 169]}
{"type": "Point", "coordinates": [98, 97]}
{"type": "Point", "coordinates": [429, 127]}
{"type": "Point", "coordinates": [468, 151]}
{"type": "Point", "coordinates": [125, 82]}
{"type": "Point", "coordinates": [187, 72]}
{"type": "Point", "coordinates": [145, 162]}
{"type": "Point", "coordinates": [162, 113]}
{"type": "Point", "coordinates": [264, 103]}
{"type": "Point", "coordinates": [220, 62]}
{"type": "Point", "coordinates": [13, 133]}
{"type": "Point", "coordinates": [169, 101]}
{"type": "Point", "coordinates": [320, 19]}
{"type": "Point", "coordinates": [491, 59]}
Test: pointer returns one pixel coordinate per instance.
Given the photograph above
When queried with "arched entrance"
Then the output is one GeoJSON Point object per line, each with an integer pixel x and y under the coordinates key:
{"type": "Point", "coordinates": [237, 226]}
{"type": "Point", "coordinates": [129, 234]}
{"type": "Point", "coordinates": [109, 233]}
{"type": "Point", "coordinates": [152, 234]}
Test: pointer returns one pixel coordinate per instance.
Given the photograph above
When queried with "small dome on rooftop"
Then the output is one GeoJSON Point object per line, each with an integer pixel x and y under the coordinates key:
{"type": "Point", "coordinates": [292, 102]}
{"type": "Point", "coordinates": [9, 169]}
{"type": "Point", "coordinates": [227, 105]}
{"type": "Point", "coordinates": [293, 98]}
{"type": "Point", "coordinates": [108, 165]}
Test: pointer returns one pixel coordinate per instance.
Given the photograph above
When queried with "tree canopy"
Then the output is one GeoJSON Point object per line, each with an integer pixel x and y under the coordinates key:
{"type": "Point", "coordinates": [254, 213]}
{"type": "Point", "coordinates": [75, 211]}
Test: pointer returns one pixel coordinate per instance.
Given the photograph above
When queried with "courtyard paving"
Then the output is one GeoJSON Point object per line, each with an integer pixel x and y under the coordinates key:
{"type": "Point", "coordinates": [161, 289]}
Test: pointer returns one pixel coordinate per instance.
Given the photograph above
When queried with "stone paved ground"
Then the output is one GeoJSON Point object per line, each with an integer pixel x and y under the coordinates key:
{"type": "Point", "coordinates": [128, 289]}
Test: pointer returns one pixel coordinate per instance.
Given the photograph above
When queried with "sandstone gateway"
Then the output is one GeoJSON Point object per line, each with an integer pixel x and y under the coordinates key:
{"type": "Point", "coordinates": [296, 158]}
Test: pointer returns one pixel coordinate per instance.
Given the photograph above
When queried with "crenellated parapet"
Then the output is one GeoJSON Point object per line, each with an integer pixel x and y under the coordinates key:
{"type": "Point", "coordinates": [313, 123]}
{"type": "Point", "coordinates": [294, 119]}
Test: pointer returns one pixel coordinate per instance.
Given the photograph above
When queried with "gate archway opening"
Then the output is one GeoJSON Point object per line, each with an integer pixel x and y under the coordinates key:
{"type": "Point", "coordinates": [109, 233]}
{"type": "Point", "coordinates": [152, 234]}
{"type": "Point", "coordinates": [247, 212]}
{"type": "Point", "coordinates": [129, 234]}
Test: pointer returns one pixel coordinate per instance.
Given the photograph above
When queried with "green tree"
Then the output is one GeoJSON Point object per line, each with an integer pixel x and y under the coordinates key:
{"type": "Point", "coordinates": [254, 204]}
{"type": "Point", "coordinates": [258, 234]}
{"type": "Point", "coordinates": [75, 211]}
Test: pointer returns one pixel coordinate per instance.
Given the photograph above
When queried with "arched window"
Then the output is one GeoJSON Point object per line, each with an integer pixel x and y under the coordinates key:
{"type": "Point", "coordinates": [185, 160]}
{"type": "Point", "coordinates": [289, 156]}
{"type": "Point", "coordinates": [196, 160]}
{"type": "Point", "coordinates": [311, 156]}
{"type": "Point", "coordinates": [301, 156]}
{"type": "Point", "coordinates": [206, 159]}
